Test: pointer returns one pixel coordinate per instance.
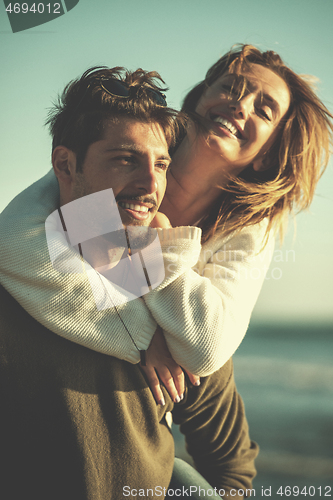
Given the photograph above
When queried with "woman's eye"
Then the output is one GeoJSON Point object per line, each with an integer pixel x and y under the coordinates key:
{"type": "Point", "coordinates": [264, 114]}
{"type": "Point", "coordinates": [227, 87]}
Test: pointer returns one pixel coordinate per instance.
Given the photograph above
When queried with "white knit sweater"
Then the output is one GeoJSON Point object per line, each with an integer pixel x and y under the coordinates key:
{"type": "Point", "coordinates": [204, 303]}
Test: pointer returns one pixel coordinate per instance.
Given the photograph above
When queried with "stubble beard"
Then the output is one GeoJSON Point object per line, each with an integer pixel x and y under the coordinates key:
{"type": "Point", "coordinates": [139, 234]}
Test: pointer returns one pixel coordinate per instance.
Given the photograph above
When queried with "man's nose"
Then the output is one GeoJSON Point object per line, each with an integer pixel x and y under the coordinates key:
{"type": "Point", "coordinates": [243, 107]}
{"type": "Point", "coordinates": [146, 179]}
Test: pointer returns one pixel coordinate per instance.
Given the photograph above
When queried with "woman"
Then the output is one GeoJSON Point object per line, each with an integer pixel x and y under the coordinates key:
{"type": "Point", "coordinates": [251, 153]}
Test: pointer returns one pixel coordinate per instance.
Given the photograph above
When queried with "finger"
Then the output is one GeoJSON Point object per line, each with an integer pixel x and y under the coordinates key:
{"type": "Point", "coordinates": [169, 383]}
{"type": "Point", "coordinates": [178, 377]}
{"type": "Point", "coordinates": [160, 220]}
{"type": "Point", "coordinates": [194, 379]}
{"type": "Point", "coordinates": [154, 384]}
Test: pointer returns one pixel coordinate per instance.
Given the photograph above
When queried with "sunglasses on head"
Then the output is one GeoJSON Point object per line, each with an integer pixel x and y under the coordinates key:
{"type": "Point", "coordinates": [117, 88]}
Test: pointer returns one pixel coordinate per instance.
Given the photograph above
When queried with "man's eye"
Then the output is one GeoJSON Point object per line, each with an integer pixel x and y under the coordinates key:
{"type": "Point", "coordinates": [162, 166]}
{"type": "Point", "coordinates": [125, 160]}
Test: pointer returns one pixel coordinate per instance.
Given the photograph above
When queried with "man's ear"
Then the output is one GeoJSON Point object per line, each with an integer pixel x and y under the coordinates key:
{"type": "Point", "coordinates": [64, 165]}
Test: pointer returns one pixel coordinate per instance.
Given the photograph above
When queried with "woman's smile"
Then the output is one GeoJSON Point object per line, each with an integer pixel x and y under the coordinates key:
{"type": "Point", "coordinates": [227, 124]}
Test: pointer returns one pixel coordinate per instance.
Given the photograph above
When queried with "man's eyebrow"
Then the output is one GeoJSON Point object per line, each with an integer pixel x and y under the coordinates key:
{"type": "Point", "coordinates": [130, 148]}
{"type": "Point", "coordinates": [165, 157]}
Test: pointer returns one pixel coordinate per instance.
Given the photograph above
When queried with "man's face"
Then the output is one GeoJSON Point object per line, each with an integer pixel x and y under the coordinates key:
{"type": "Point", "coordinates": [132, 158]}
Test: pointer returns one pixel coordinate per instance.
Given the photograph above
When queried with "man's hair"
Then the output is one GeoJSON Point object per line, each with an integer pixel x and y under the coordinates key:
{"type": "Point", "coordinates": [295, 162]}
{"type": "Point", "coordinates": [80, 115]}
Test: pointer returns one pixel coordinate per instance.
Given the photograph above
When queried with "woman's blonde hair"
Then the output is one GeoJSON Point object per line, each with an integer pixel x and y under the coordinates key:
{"type": "Point", "coordinates": [296, 160]}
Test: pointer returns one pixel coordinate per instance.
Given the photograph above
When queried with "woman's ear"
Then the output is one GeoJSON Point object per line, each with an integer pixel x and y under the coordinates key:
{"type": "Point", "coordinates": [260, 163]}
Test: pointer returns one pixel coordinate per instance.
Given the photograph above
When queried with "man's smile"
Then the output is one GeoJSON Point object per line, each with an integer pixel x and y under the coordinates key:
{"type": "Point", "coordinates": [137, 209]}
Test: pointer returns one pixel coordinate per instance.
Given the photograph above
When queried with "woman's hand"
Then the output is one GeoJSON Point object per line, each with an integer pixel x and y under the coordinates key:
{"type": "Point", "coordinates": [160, 220]}
{"type": "Point", "coordinates": [160, 362]}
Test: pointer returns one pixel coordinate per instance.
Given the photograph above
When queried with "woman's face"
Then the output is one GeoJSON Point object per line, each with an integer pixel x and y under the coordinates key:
{"type": "Point", "coordinates": [244, 128]}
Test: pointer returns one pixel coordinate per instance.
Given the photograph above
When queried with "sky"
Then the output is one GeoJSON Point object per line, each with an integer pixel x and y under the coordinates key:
{"type": "Point", "coordinates": [180, 39]}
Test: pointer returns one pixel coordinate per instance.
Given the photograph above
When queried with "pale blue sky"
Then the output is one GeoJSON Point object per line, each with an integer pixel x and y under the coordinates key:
{"type": "Point", "coordinates": [180, 39]}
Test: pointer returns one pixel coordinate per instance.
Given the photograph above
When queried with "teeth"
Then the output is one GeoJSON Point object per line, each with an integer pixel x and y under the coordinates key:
{"type": "Point", "coordinates": [226, 124]}
{"type": "Point", "coordinates": [137, 208]}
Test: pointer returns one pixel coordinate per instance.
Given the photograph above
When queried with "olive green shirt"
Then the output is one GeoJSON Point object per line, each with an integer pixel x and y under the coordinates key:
{"type": "Point", "coordinates": [76, 424]}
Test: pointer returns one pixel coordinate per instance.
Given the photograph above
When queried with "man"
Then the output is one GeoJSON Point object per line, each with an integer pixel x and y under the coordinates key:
{"type": "Point", "coordinates": [78, 424]}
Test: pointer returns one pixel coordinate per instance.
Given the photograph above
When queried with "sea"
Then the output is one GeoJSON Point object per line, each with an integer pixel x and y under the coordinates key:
{"type": "Point", "coordinates": [284, 373]}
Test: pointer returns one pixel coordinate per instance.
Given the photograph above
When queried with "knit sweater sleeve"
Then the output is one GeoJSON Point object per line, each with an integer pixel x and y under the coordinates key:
{"type": "Point", "coordinates": [203, 313]}
{"type": "Point", "coordinates": [209, 305]}
{"type": "Point", "coordinates": [63, 302]}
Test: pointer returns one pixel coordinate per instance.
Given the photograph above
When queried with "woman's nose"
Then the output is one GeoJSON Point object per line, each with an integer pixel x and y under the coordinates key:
{"type": "Point", "coordinates": [243, 107]}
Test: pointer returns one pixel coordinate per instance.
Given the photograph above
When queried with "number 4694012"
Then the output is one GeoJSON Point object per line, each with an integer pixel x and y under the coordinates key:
{"type": "Point", "coordinates": [35, 8]}
{"type": "Point", "coordinates": [311, 491]}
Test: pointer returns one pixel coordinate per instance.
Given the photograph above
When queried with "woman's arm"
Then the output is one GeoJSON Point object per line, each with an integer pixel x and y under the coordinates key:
{"type": "Point", "coordinates": [205, 311]}
{"type": "Point", "coordinates": [204, 314]}
{"type": "Point", "coordinates": [63, 302]}
{"type": "Point", "coordinates": [60, 296]}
